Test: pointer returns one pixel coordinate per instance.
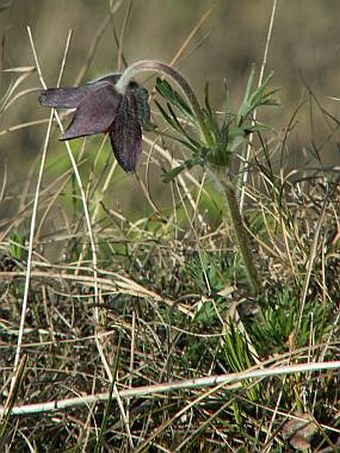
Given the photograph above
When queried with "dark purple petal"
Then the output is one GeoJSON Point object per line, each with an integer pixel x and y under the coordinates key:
{"type": "Point", "coordinates": [63, 97]}
{"type": "Point", "coordinates": [142, 99]}
{"type": "Point", "coordinates": [141, 95]}
{"type": "Point", "coordinates": [96, 112]}
{"type": "Point", "coordinates": [72, 97]}
{"type": "Point", "coordinates": [126, 134]}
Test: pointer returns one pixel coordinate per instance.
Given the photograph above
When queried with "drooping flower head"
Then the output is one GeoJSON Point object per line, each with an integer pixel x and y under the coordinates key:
{"type": "Point", "coordinates": [100, 108]}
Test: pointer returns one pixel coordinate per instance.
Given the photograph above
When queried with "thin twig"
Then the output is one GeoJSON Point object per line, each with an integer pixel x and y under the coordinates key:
{"type": "Point", "coordinates": [219, 380]}
{"type": "Point", "coordinates": [190, 37]}
{"type": "Point", "coordinates": [121, 59]}
{"type": "Point", "coordinates": [96, 40]}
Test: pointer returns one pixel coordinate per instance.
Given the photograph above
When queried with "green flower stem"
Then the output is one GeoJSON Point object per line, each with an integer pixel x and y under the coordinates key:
{"type": "Point", "coordinates": [164, 69]}
{"type": "Point", "coordinates": [242, 236]}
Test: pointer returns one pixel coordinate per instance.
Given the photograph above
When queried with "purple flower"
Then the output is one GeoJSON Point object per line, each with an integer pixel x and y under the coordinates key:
{"type": "Point", "coordinates": [100, 108]}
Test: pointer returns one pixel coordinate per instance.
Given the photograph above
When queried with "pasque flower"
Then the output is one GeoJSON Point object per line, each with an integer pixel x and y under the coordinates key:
{"type": "Point", "coordinates": [100, 108]}
{"type": "Point", "coordinates": [117, 105]}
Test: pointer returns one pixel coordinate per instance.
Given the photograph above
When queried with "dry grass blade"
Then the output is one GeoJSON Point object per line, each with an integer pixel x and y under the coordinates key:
{"type": "Point", "coordinates": [30, 252]}
{"type": "Point", "coordinates": [96, 40]}
{"type": "Point", "coordinates": [190, 37]}
{"type": "Point", "coordinates": [245, 167]}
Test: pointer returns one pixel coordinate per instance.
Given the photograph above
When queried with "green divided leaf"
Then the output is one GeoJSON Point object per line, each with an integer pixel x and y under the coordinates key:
{"type": "Point", "coordinates": [173, 97]}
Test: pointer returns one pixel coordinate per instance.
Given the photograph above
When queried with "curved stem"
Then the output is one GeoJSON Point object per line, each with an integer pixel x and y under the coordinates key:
{"type": "Point", "coordinates": [165, 69]}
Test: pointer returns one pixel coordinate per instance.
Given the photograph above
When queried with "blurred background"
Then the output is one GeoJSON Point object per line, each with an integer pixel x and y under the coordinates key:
{"type": "Point", "coordinates": [304, 53]}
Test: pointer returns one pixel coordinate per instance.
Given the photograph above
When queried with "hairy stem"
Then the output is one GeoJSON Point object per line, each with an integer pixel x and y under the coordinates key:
{"type": "Point", "coordinates": [242, 236]}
